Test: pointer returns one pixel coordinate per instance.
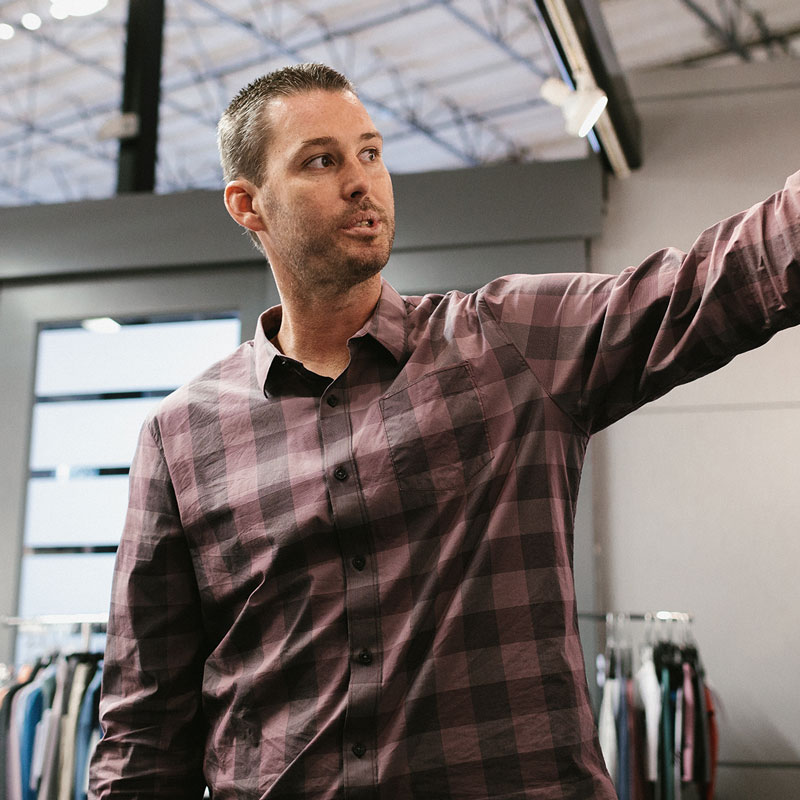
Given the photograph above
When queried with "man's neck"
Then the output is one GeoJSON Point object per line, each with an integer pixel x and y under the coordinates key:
{"type": "Point", "coordinates": [315, 329]}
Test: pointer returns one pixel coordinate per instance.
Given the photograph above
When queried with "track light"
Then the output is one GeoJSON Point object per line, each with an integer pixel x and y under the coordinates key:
{"type": "Point", "coordinates": [581, 107]}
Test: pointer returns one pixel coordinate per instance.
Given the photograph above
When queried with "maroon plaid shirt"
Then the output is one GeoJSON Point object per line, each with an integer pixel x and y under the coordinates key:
{"type": "Point", "coordinates": [363, 588]}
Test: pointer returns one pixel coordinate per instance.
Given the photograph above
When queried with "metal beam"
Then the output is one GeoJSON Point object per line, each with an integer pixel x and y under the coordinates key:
{"type": "Point", "coordinates": [325, 35]}
{"type": "Point", "coordinates": [28, 129]}
{"type": "Point", "coordinates": [782, 38]}
{"type": "Point", "coordinates": [412, 117]}
{"type": "Point", "coordinates": [494, 36]}
{"type": "Point", "coordinates": [141, 94]}
{"type": "Point", "coordinates": [208, 117]}
{"type": "Point", "coordinates": [105, 108]}
{"type": "Point", "coordinates": [728, 38]}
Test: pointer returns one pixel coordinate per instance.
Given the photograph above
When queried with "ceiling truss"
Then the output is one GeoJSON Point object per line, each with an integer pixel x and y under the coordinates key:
{"type": "Point", "coordinates": [738, 27]}
{"type": "Point", "coordinates": [450, 82]}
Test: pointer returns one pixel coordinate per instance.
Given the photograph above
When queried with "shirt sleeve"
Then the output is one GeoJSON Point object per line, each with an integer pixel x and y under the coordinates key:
{"type": "Point", "coordinates": [604, 345]}
{"type": "Point", "coordinates": [150, 707]}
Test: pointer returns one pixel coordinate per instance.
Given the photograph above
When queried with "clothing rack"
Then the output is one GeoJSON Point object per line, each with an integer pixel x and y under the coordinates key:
{"type": "Point", "coordinates": [656, 718]}
{"type": "Point", "coordinates": [674, 626]}
{"type": "Point", "coordinates": [49, 714]}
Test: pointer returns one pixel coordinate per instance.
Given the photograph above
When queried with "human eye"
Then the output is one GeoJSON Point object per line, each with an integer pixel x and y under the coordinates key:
{"type": "Point", "coordinates": [320, 162]}
{"type": "Point", "coordinates": [371, 154]}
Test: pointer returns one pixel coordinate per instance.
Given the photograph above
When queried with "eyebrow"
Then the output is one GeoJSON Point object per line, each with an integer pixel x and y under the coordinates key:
{"type": "Point", "coordinates": [322, 141]}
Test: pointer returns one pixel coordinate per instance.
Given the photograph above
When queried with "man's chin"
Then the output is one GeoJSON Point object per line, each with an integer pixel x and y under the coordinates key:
{"type": "Point", "coordinates": [362, 266]}
{"type": "Point", "coordinates": [363, 271]}
{"type": "Point", "coordinates": [349, 275]}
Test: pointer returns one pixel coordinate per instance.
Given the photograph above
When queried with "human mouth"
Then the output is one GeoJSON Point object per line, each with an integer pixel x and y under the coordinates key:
{"type": "Point", "coordinates": [364, 220]}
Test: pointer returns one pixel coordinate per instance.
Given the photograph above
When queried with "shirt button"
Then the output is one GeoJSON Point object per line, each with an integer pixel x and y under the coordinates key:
{"type": "Point", "coordinates": [359, 750]}
{"type": "Point", "coordinates": [340, 473]}
{"type": "Point", "coordinates": [333, 400]}
{"type": "Point", "coordinates": [359, 562]}
{"type": "Point", "coordinates": [365, 657]}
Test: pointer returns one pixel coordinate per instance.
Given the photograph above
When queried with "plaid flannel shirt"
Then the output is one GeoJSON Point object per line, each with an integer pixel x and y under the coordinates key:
{"type": "Point", "coordinates": [362, 587]}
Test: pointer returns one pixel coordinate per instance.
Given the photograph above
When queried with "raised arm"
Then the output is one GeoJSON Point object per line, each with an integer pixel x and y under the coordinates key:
{"type": "Point", "coordinates": [604, 345]}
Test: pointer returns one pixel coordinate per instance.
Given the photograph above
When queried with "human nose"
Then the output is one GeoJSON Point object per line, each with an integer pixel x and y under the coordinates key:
{"type": "Point", "coordinates": [355, 180]}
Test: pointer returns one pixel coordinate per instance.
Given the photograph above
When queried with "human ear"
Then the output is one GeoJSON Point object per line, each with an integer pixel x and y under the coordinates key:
{"type": "Point", "coordinates": [240, 202]}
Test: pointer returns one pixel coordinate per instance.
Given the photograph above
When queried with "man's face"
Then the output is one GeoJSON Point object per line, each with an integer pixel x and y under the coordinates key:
{"type": "Point", "coordinates": [326, 201]}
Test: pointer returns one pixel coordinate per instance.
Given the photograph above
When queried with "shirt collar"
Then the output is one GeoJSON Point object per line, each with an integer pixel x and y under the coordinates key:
{"type": "Point", "coordinates": [265, 352]}
{"type": "Point", "coordinates": [387, 326]}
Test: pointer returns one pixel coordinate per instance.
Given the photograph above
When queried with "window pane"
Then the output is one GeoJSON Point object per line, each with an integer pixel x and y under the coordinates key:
{"type": "Point", "coordinates": [65, 584]}
{"type": "Point", "coordinates": [94, 433]}
{"type": "Point", "coordinates": [82, 441]}
{"type": "Point", "coordinates": [77, 511]}
{"type": "Point", "coordinates": [144, 356]}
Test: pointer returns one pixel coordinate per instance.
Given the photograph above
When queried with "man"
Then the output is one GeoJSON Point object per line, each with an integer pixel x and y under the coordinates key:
{"type": "Point", "coordinates": [346, 570]}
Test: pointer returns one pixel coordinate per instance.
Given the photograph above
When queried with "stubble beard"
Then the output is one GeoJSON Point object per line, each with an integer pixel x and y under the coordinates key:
{"type": "Point", "coordinates": [318, 265]}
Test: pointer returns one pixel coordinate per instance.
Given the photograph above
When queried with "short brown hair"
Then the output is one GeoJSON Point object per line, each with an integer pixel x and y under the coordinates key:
{"type": "Point", "coordinates": [243, 131]}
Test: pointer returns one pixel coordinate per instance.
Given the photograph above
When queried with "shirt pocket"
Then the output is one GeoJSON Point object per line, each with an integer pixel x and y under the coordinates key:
{"type": "Point", "coordinates": [436, 430]}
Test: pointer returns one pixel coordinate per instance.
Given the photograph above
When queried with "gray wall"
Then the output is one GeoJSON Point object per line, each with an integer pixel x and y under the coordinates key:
{"type": "Point", "coordinates": [455, 230]}
{"type": "Point", "coordinates": [696, 496]}
{"type": "Point", "coordinates": [452, 213]}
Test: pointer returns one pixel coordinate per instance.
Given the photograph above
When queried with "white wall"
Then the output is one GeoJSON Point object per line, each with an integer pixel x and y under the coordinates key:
{"type": "Point", "coordinates": [697, 497]}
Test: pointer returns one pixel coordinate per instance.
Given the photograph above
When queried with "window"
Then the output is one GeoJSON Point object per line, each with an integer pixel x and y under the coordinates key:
{"type": "Point", "coordinates": [93, 389]}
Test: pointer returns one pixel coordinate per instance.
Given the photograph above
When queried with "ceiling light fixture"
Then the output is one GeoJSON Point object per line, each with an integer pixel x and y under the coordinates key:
{"type": "Point", "coordinates": [582, 46]}
{"type": "Point", "coordinates": [6, 31]}
{"type": "Point", "coordinates": [581, 107]}
{"type": "Point", "coordinates": [101, 325]}
{"type": "Point", "coordinates": [31, 22]}
{"type": "Point", "coordinates": [61, 9]}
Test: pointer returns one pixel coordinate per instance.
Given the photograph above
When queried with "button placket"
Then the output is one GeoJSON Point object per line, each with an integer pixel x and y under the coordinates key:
{"type": "Point", "coordinates": [351, 530]}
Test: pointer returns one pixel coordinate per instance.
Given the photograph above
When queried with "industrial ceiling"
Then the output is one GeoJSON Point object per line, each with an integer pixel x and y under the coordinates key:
{"type": "Point", "coordinates": [451, 83]}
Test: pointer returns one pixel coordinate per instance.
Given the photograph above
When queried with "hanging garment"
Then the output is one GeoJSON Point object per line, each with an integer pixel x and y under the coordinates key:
{"type": "Point", "coordinates": [24, 677]}
{"type": "Point", "coordinates": [88, 728]}
{"type": "Point", "coordinates": [39, 700]}
{"type": "Point", "coordinates": [13, 739]}
{"type": "Point", "coordinates": [48, 788]}
{"type": "Point", "coordinates": [688, 744]}
{"type": "Point", "coordinates": [32, 713]}
{"type": "Point", "coordinates": [677, 726]}
{"type": "Point", "coordinates": [667, 739]}
{"type": "Point", "coordinates": [713, 742]}
{"type": "Point", "coordinates": [702, 754]}
{"type": "Point", "coordinates": [622, 783]}
{"type": "Point", "coordinates": [84, 671]}
{"type": "Point", "coordinates": [637, 744]}
{"type": "Point", "coordinates": [649, 698]}
{"type": "Point", "coordinates": [607, 726]}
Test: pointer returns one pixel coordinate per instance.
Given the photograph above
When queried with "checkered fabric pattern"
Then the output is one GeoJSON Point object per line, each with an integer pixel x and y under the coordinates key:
{"type": "Point", "coordinates": [362, 588]}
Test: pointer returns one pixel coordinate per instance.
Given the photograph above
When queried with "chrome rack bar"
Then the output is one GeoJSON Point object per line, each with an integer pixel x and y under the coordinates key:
{"type": "Point", "coordinates": [648, 616]}
{"type": "Point", "coordinates": [83, 623]}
